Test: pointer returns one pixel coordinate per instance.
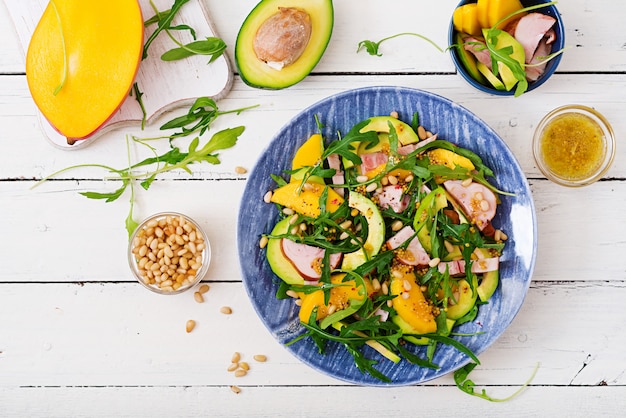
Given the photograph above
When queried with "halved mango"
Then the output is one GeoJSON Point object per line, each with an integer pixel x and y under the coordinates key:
{"type": "Point", "coordinates": [309, 153]}
{"type": "Point", "coordinates": [82, 60]}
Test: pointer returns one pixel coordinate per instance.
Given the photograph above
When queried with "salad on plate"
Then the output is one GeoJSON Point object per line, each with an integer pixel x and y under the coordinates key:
{"type": "Point", "coordinates": [385, 238]}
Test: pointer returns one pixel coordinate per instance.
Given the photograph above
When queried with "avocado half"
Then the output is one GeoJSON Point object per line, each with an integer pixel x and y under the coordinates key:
{"type": "Point", "coordinates": [255, 72]}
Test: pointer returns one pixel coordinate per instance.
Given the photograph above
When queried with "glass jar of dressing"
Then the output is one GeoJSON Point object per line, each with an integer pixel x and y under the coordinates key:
{"type": "Point", "coordinates": [574, 145]}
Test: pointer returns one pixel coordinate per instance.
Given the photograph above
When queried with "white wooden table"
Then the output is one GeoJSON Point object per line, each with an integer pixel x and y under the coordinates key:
{"type": "Point", "coordinates": [80, 337]}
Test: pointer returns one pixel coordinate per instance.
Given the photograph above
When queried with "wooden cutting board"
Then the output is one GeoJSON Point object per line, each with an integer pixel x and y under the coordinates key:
{"type": "Point", "coordinates": [165, 85]}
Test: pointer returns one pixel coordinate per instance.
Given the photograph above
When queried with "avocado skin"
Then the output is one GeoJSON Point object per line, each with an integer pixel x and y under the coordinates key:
{"type": "Point", "coordinates": [257, 73]}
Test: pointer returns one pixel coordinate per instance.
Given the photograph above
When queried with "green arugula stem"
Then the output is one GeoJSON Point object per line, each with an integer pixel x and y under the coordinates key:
{"type": "Point", "coordinates": [63, 170]}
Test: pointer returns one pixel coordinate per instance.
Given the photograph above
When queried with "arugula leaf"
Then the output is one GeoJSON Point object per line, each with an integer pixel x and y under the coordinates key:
{"type": "Point", "coordinates": [462, 381]}
{"type": "Point", "coordinates": [164, 22]}
{"type": "Point", "coordinates": [212, 46]}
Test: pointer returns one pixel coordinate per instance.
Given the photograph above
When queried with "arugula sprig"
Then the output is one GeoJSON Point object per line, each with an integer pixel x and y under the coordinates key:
{"type": "Point", "coordinates": [463, 382]}
{"type": "Point", "coordinates": [172, 160]}
{"type": "Point", "coordinates": [211, 46]}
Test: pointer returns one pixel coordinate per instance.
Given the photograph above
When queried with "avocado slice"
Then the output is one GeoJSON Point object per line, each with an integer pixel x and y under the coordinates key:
{"type": "Point", "coordinates": [406, 134]}
{"type": "Point", "coordinates": [279, 264]}
{"type": "Point", "coordinates": [468, 59]}
{"type": "Point", "coordinates": [504, 41]}
{"type": "Point", "coordinates": [466, 299]}
{"type": "Point", "coordinates": [491, 77]}
{"type": "Point", "coordinates": [256, 72]}
{"type": "Point", "coordinates": [489, 282]}
{"type": "Point", "coordinates": [375, 236]}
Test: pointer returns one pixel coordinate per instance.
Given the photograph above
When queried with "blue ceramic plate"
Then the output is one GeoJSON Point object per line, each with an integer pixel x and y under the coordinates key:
{"type": "Point", "coordinates": [516, 216]}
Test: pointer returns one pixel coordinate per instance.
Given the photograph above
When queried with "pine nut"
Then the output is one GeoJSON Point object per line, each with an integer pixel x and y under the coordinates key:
{"type": "Point", "coordinates": [361, 179]}
{"type": "Point", "coordinates": [293, 219]}
{"type": "Point", "coordinates": [421, 132]}
{"type": "Point", "coordinates": [466, 182]}
{"type": "Point", "coordinates": [503, 236]}
{"type": "Point", "coordinates": [408, 178]}
{"type": "Point", "coordinates": [260, 358]}
{"type": "Point", "coordinates": [244, 365]}
{"type": "Point", "coordinates": [376, 284]}
{"type": "Point", "coordinates": [405, 295]}
{"type": "Point", "coordinates": [384, 181]}
{"type": "Point", "coordinates": [235, 389]}
{"type": "Point", "coordinates": [406, 285]}
{"type": "Point", "coordinates": [240, 373]}
{"type": "Point", "coordinates": [203, 289]}
{"type": "Point", "coordinates": [226, 310]}
{"type": "Point", "coordinates": [263, 242]}
{"type": "Point", "coordinates": [396, 225]}
{"type": "Point", "coordinates": [394, 114]}
{"type": "Point", "coordinates": [385, 288]}
{"type": "Point", "coordinates": [449, 246]}
{"type": "Point", "coordinates": [233, 367]}
{"type": "Point", "coordinates": [292, 293]}
{"type": "Point", "coordinates": [267, 197]}
{"type": "Point", "coordinates": [190, 325]}
{"type": "Point", "coordinates": [198, 297]}
{"type": "Point", "coordinates": [497, 236]}
{"type": "Point", "coordinates": [371, 187]}
{"type": "Point", "coordinates": [434, 262]}
{"type": "Point", "coordinates": [236, 357]}
{"type": "Point", "coordinates": [240, 170]}
{"type": "Point", "coordinates": [288, 211]}
{"type": "Point", "coordinates": [393, 180]}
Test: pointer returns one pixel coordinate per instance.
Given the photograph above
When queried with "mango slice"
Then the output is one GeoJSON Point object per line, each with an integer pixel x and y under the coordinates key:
{"type": "Point", "coordinates": [305, 199]}
{"type": "Point", "coordinates": [82, 60]}
{"type": "Point", "coordinates": [411, 305]}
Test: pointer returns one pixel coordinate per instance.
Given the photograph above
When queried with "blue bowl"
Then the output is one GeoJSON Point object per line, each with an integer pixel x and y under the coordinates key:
{"type": "Point", "coordinates": [338, 113]}
{"type": "Point", "coordinates": [551, 66]}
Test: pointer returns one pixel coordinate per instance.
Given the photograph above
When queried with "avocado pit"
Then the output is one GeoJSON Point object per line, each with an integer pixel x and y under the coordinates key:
{"type": "Point", "coordinates": [283, 37]}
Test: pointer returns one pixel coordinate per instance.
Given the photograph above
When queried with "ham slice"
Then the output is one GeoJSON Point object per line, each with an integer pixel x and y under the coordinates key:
{"type": "Point", "coordinates": [530, 29]}
{"type": "Point", "coordinates": [457, 267]}
{"type": "Point", "coordinates": [372, 160]}
{"type": "Point", "coordinates": [414, 254]}
{"type": "Point", "coordinates": [334, 162]}
{"type": "Point", "coordinates": [477, 201]}
{"type": "Point", "coordinates": [407, 149]}
{"type": "Point", "coordinates": [307, 259]}
{"type": "Point", "coordinates": [479, 49]}
{"type": "Point", "coordinates": [543, 50]}
{"type": "Point", "coordinates": [393, 197]}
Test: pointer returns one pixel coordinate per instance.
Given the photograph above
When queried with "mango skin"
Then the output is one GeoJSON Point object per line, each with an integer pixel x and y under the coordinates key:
{"type": "Point", "coordinates": [103, 43]}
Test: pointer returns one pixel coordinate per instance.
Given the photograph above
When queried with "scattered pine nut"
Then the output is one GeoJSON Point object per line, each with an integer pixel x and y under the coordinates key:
{"type": "Point", "coordinates": [240, 373]}
{"type": "Point", "coordinates": [235, 389]}
{"type": "Point", "coordinates": [203, 289]}
{"type": "Point", "coordinates": [198, 297]}
{"type": "Point", "coordinates": [240, 170]}
{"type": "Point", "coordinates": [263, 242]}
{"type": "Point", "coordinates": [191, 324]}
{"type": "Point", "coordinates": [434, 262]}
{"type": "Point", "coordinates": [244, 365]}
{"type": "Point", "coordinates": [421, 132]}
{"type": "Point", "coordinates": [260, 358]}
{"type": "Point", "coordinates": [236, 357]}
{"type": "Point", "coordinates": [226, 310]}
{"type": "Point", "coordinates": [233, 367]}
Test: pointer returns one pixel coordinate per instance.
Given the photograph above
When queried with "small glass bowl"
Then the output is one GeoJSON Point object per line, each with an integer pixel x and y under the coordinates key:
{"type": "Point", "coordinates": [174, 233]}
{"type": "Point", "coordinates": [582, 116]}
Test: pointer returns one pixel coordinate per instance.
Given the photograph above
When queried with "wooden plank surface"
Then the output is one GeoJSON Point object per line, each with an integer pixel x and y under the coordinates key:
{"type": "Point", "coordinates": [79, 337]}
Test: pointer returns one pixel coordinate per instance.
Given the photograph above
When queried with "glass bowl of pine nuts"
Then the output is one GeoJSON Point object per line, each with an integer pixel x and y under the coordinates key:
{"type": "Point", "coordinates": [169, 253]}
